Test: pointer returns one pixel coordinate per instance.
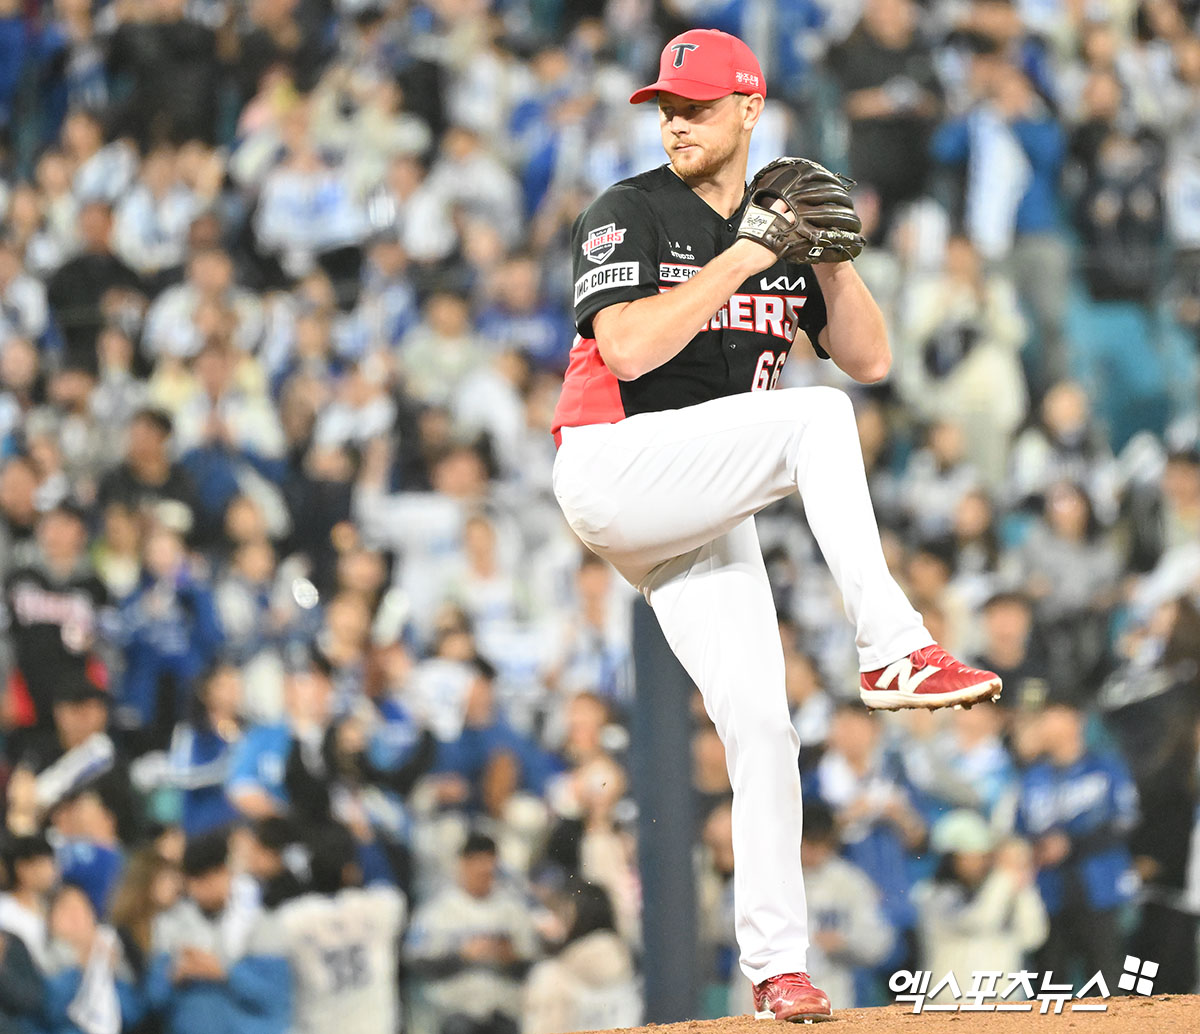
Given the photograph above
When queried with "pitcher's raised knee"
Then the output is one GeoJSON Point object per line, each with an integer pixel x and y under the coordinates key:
{"type": "Point", "coordinates": [830, 403]}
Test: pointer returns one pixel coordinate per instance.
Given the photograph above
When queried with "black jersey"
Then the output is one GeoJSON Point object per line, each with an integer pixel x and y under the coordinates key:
{"type": "Point", "coordinates": [648, 234]}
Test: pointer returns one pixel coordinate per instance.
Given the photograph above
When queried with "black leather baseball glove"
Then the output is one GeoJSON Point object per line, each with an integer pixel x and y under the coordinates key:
{"type": "Point", "coordinates": [820, 224]}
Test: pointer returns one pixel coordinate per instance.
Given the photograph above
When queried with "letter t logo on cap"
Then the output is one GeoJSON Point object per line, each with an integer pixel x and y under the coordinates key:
{"type": "Point", "coordinates": [681, 50]}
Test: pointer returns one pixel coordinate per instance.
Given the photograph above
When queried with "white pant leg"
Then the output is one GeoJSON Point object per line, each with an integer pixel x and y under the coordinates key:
{"type": "Point", "coordinates": [715, 608]}
{"type": "Point", "coordinates": [658, 485]}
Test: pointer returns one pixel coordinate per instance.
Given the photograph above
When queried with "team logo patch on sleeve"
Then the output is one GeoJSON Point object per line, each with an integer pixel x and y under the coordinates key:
{"type": "Point", "coordinates": [601, 242]}
{"type": "Point", "coordinates": [619, 274]}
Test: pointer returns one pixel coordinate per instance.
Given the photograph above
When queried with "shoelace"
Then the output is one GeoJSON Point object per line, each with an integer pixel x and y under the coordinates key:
{"type": "Point", "coordinates": [793, 981]}
{"type": "Point", "coordinates": [936, 655]}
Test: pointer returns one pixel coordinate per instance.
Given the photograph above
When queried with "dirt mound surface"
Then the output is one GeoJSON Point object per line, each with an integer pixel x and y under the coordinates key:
{"type": "Point", "coordinates": [1156, 1014]}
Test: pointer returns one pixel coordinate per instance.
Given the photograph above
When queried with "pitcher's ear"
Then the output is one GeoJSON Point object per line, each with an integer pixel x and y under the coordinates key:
{"type": "Point", "coordinates": [752, 108]}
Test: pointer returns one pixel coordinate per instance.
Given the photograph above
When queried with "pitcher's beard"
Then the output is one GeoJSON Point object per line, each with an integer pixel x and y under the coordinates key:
{"type": "Point", "coordinates": [701, 163]}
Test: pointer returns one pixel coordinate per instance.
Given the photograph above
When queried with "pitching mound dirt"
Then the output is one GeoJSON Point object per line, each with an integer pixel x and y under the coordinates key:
{"type": "Point", "coordinates": [1158, 1014]}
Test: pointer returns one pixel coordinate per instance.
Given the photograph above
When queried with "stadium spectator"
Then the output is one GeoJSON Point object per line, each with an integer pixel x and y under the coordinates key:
{"type": "Point", "coordinates": [846, 923]}
{"type": "Point", "coordinates": [23, 985]}
{"type": "Point", "coordinates": [280, 33]}
{"type": "Point", "coordinates": [958, 345]}
{"type": "Point", "coordinates": [151, 222]}
{"type": "Point", "coordinates": [1120, 206]}
{"type": "Point", "coordinates": [974, 550]}
{"type": "Point", "coordinates": [148, 477]}
{"type": "Point", "coordinates": [267, 848]}
{"type": "Point", "coordinates": [1164, 517]}
{"type": "Point", "coordinates": [171, 64]}
{"type": "Point", "coordinates": [18, 512]}
{"type": "Point", "coordinates": [93, 288]}
{"type": "Point", "coordinates": [202, 749]}
{"type": "Point", "coordinates": [228, 434]}
{"type": "Point", "coordinates": [487, 739]}
{"type": "Point", "coordinates": [1070, 570]}
{"type": "Point", "coordinates": [468, 948]}
{"type": "Point", "coordinates": [1063, 443]}
{"type": "Point", "coordinates": [89, 981]}
{"type": "Point", "coordinates": [876, 819]}
{"type": "Point", "coordinates": [32, 876]}
{"type": "Point", "coordinates": [957, 761]}
{"type": "Point", "coordinates": [208, 302]}
{"type": "Point", "coordinates": [23, 308]}
{"type": "Point", "coordinates": [808, 698]}
{"type": "Point", "coordinates": [937, 476]}
{"type": "Point", "coordinates": [341, 941]}
{"type": "Point", "coordinates": [1010, 646]}
{"type": "Point", "coordinates": [279, 768]}
{"type": "Point", "coordinates": [306, 211]}
{"type": "Point", "coordinates": [892, 97]}
{"type": "Point", "coordinates": [1077, 807]}
{"type": "Point", "coordinates": [589, 983]}
{"type": "Point", "coordinates": [99, 170]}
{"type": "Point", "coordinates": [440, 350]}
{"type": "Point", "coordinates": [55, 604]}
{"type": "Point", "coordinates": [1013, 150]}
{"type": "Point", "coordinates": [259, 626]}
{"type": "Point", "coordinates": [76, 754]}
{"type": "Point", "coordinates": [88, 848]}
{"type": "Point", "coordinates": [169, 633]}
{"type": "Point", "coordinates": [520, 317]}
{"type": "Point", "coordinates": [194, 980]}
{"type": "Point", "coordinates": [980, 910]}
{"type": "Point", "coordinates": [150, 884]}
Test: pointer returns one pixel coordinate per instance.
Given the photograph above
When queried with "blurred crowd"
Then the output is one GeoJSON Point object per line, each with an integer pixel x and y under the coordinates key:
{"type": "Point", "coordinates": [292, 618]}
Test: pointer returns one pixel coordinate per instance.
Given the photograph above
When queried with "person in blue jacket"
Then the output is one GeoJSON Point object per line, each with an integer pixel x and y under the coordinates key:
{"type": "Point", "coordinates": [202, 752]}
{"type": "Point", "coordinates": [1077, 807]}
{"type": "Point", "coordinates": [279, 768]}
{"type": "Point", "coordinates": [74, 988]}
{"type": "Point", "coordinates": [1011, 142]}
{"type": "Point", "coordinates": [486, 736]}
{"type": "Point", "coordinates": [169, 632]}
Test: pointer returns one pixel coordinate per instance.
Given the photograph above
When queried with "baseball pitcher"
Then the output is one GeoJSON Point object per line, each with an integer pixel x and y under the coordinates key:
{"type": "Point", "coordinates": [690, 289]}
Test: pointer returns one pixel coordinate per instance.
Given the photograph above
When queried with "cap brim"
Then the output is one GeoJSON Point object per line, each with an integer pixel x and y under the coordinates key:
{"type": "Point", "coordinates": [688, 88]}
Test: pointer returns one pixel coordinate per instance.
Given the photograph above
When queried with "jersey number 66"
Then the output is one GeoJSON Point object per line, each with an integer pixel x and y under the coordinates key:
{"type": "Point", "coordinates": [767, 370]}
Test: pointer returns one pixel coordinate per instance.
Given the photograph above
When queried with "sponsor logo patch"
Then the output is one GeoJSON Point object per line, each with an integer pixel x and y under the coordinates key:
{"type": "Point", "coordinates": [747, 79]}
{"type": "Point", "coordinates": [757, 220]}
{"type": "Point", "coordinates": [782, 283]}
{"type": "Point", "coordinates": [619, 274]}
{"type": "Point", "coordinates": [601, 242]}
{"type": "Point", "coordinates": [673, 273]}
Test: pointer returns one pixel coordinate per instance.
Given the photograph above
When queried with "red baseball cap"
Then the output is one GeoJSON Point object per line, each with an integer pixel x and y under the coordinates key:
{"type": "Point", "coordinates": [703, 65]}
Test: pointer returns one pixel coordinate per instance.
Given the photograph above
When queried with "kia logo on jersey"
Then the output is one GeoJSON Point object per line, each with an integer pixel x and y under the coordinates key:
{"type": "Point", "coordinates": [601, 242]}
{"type": "Point", "coordinates": [782, 283]}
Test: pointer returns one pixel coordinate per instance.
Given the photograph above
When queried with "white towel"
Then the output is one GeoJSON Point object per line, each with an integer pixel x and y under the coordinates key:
{"type": "Point", "coordinates": [95, 1009]}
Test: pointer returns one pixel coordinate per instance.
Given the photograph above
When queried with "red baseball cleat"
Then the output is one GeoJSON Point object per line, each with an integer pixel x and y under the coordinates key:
{"type": "Point", "coordinates": [928, 677]}
{"type": "Point", "coordinates": [790, 996]}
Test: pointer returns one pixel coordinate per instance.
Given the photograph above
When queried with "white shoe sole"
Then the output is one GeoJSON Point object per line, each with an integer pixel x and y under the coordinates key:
{"type": "Point", "coordinates": [819, 1018]}
{"type": "Point", "coordinates": [894, 700]}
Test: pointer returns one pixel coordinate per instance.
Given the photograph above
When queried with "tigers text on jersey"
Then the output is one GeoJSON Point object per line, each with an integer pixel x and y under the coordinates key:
{"type": "Point", "coordinates": [648, 234]}
{"type": "Point", "coordinates": [343, 950]}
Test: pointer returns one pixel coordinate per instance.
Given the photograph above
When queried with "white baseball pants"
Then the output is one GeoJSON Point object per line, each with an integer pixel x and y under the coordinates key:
{"type": "Point", "coordinates": [669, 499]}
